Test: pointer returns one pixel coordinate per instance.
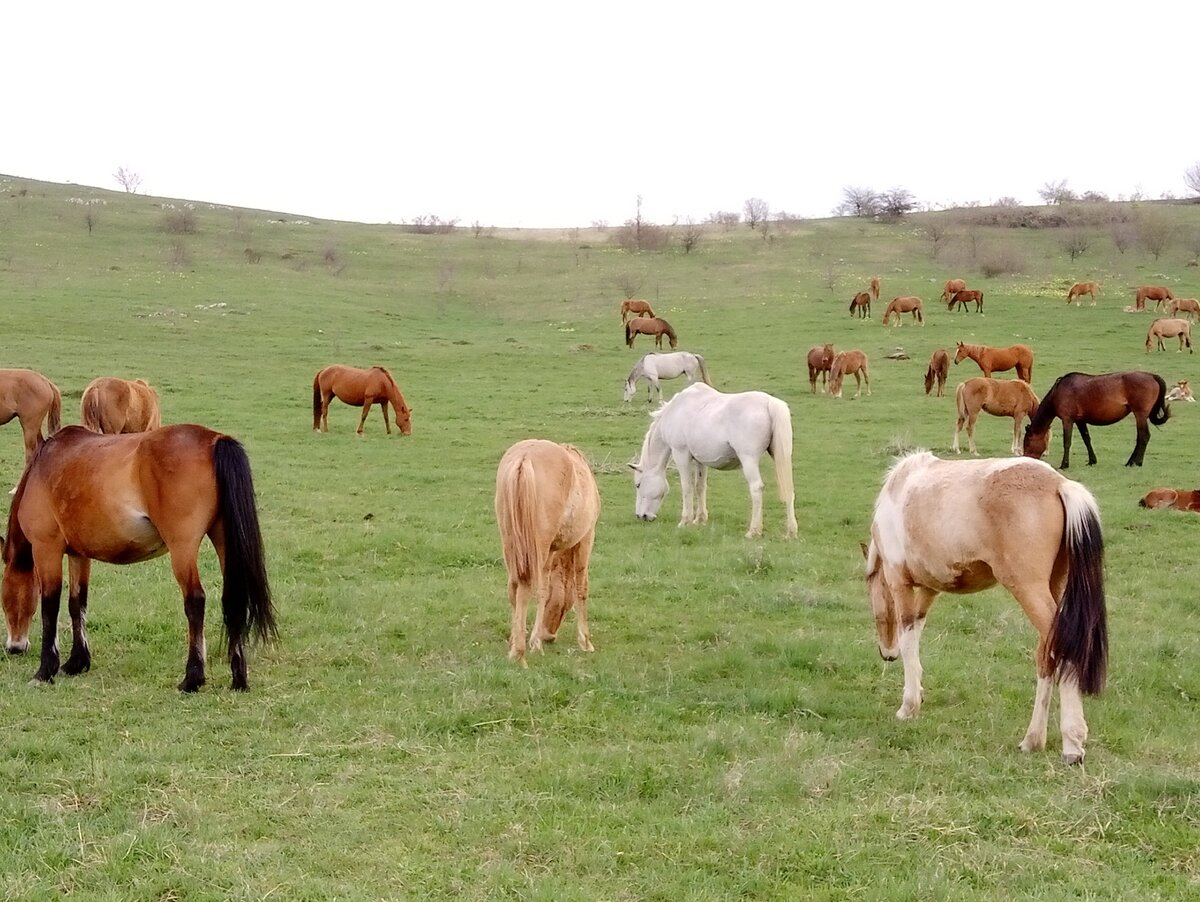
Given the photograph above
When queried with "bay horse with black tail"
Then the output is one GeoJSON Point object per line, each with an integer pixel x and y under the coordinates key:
{"type": "Point", "coordinates": [122, 499]}
{"type": "Point", "coordinates": [820, 362]}
{"type": "Point", "coordinates": [1079, 289]}
{"type": "Point", "coordinates": [1160, 294]}
{"type": "Point", "coordinates": [1082, 400]}
{"type": "Point", "coordinates": [861, 304]}
{"type": "Point", "coordinates": [963, 526]}
{"type": "Point", "coordinates": [650, 325]}
{"type": "Point", "coordinates": [903, 305]}
{"type": "Point", "coordinates": [31, 399]}
{"type": "Point", "coordinates": [635, 307]}
{"type": "Point", "coordinates": [359, 388]}
{"type": "Point", "coordinates": [939, 369]}
{"type": "Point", "coordinates": [115, 406]}
{"type": "Point", "coordinates": [997, 360]}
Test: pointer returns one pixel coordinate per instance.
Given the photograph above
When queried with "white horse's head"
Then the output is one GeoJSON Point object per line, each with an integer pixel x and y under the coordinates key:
{"type": "Point", "coordinates": [630, 389]}
{"type": "Point", "coordinates": [651, 487]}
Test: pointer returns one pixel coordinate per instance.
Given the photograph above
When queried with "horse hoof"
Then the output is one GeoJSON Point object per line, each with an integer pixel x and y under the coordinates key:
{"type": "Point", "coordinates": [906, 713]}
{"type": "Point", "coordinates": [1072, 759]}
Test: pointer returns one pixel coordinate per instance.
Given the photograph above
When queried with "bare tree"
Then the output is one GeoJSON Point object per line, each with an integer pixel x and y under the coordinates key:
{"type": "Point", "coordinates": [896, 202]}
{"type": "Point", "coordinates": [1155, 233]}
{"type": "Point", "coordinates": [691, 235]}
{"type": "Point", "coordinates": [1076, 243]}
{"type": "Point", "coordinates": [128, 179]}
{"type": "Point", "coordinates": [1123, 235]}
{"type": "Point", "coordinates": [630, 283]}
{"type": "Point", "coordinates": [756, 210]}
{"type": "Point", "coordinates": [936, 233]}
{"type": "Point", "coordinates": [1056, 192]}
{"type": "Point", "coordinates": [725, 219]}
{"type": "Point", "coordinates": [858, 202]}
{"type": "Point", "coordinates": [1191, 178]}
{"type": "Point", "coordinates": [90, 218]}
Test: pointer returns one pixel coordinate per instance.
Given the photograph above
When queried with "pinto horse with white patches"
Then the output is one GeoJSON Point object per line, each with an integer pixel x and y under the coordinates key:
{"type": "Point", "coordinates": [962, 526]}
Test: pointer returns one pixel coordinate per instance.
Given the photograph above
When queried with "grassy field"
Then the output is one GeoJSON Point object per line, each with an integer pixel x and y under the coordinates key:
{"type": "Point", "coordinates": [733, 735]}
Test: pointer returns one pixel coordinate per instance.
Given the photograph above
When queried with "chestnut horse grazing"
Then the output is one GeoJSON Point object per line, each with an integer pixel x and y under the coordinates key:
{"type": "Point", "coordinates": [115, 406]}
{"type": "Point", "coordinates": [32, 399]}
{"type": "Point", "coordinates": [1190, 306]}
{"type": "Point", "coordinates": [547, 505]}
{"type": "Point", "coordinates": [649, 325]}
{"type": "Point", "coordinates": [1079, 289]}
{"type": "Point", "coordinates": [1178, 499]}
{"type": "Point", "coordinates": [359, 388]}
{"type": "Point", "coordinates": [1084, 400]}
{"type": "Point", "coordinates": [964, 296]}
{"type": "Point", "coordinates": [904, 305]}
{"type": "Point", "coordinates": [952, 285]}
{"type": "Point", "coordinates": [820, 361]}
{"type": "Point", "coordinates": [122, 499]}
{"type": "Point", "coordinates": [997, 360]}
{"type": "Point", "coordinates": [849, 363]}
{"type": "Point", "coordinates": [637, 308]}
{"type": "Point", "coordinates": [1169, 328]}
{"type": "Point", "coordinates": [939, 369]}
{"type": "Point", "coordinates": [962, 526]}
{"type": "Point", "coordinates": [999, 397]}
{"type": "Point", "coordinates": [1157, 293]}
{"type": "Point", "coordinates": [874, 288]}
{"type": "Point", "coordinates": [861, 304]}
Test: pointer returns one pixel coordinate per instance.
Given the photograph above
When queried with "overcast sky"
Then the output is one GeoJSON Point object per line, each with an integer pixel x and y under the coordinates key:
{"type": "Point", "coordinates": [547, 114]}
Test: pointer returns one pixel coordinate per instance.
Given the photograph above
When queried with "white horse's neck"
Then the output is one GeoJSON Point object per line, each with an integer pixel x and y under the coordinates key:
{"type": "Point", "coordinates": [655, 451]}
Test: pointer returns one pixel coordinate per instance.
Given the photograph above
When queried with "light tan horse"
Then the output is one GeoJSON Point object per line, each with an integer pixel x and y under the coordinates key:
{"type": "Point", "coordinates": [874, 289]}
{"type": "Point", "coordinates": [547, 505]}
{"type": "Point", "coordinates": [820, 360]}
{"type": "Point", "coordinates": [952, 285]}
{"type": "Point", "coordinates": [1157, 293]}
{"type": "Point", "coordinates": [637, 308]}
{"type": "Point", "coordinates": [848, 363]}
{"type": "Point", "coordinates": [1079, 289]}
{"type": "Point", "coordinates": [1189, 306]}
{"type": "Point", "coordinates": [359, 388]}
{"type": "Point", "coordinates": [31, 399]}
{"type": "Point", "coordinates": [118, 406]}
{"type": "Point", "coordinates": [997, 360]}
{"type": "Point", "coordinates": [904, 305]}
{"type": "Point", "coordinates": [861, 304]}
{"type": "Point", "coordinates": [999, 397]}
{"type": "Point", "coordinates": [939, 369]}
{"type": "Point", "coordinates": [1169, 328]}
{"type": "Point", "coordinates": [1181, 391]}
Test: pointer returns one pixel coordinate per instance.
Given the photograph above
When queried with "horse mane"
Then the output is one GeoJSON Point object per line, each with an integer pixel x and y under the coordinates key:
{"type": "Point", "coordinates": [18, 550]}
{"type": "Point", "coordinates": [667, 328]}
{"type": "Point", "coordinates": [1044, 415]}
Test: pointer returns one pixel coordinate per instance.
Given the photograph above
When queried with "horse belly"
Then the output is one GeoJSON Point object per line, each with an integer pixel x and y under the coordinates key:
{"type": "Point", "coordinates": [124, 537]}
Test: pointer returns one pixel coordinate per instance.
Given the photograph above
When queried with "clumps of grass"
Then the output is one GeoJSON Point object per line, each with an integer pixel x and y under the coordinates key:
{"type": "Point", "coordinates": [900, 445]}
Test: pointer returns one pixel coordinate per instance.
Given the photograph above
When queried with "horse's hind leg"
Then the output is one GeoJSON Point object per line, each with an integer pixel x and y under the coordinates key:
{"type": "Point", "coordinates": [326, 397]}
{"type": "Point", "coordinates": [80, 659]}
{"type": "Point", "coordinates": [518, 599]}
{"type": "Point", "coordinates": [1139, 448]}
{"type": "Point", "coordinates": [31, 428]}
{"type": "Point", "coordinates": [366, 409]}
{"type": "Point", "coordinates": [187, 575]}
{"type": "Point", "coordinates": [700, 504]}
{"type": "Point", "coordinates": [1087, 441]}
{"type": "Point", "coordinates": [755, 481]}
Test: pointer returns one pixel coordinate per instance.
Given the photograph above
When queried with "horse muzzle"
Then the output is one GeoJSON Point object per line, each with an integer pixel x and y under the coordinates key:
{"type": "Point", "coordinates": [645, 518]}
{"type": "Point", "coordinates": [17, 648]}
{"type": "Point", "coordinates": [888, 654]}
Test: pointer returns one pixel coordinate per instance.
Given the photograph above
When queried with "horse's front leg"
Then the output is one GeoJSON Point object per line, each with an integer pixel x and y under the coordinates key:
{"type": "Point", "coordinates": [912, 604]}
{"type": "Point", "coordinates": [755, 482]}
{"type": "Point", "coordinates": [1139, 448]}
{"type": "Point", "coordinates": [685, 464]}
{"type": "Point", "coordinates": [1066, 458]}
{"type": "Point", "coordinates": [48, 566]}
{"type": "Point", "coordinates": [80, 659]}
{"type": "Point", "coordinates": [1016, 442]}
{"type": "Point", "coordinates": [1087, 442]}
{"type": "Point", "coordinates": [387, 424]}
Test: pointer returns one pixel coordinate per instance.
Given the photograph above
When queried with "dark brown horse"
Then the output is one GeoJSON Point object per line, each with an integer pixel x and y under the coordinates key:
{"type": "Point", "coordinates": [637, 308]}
{"type": "Point", "coordinates": [114, 406]}
{"type": "Point", "coordinates": [820, 361]}
{"type": "Point", "coordinates": [649, 325]}
{"type": "Point", "coordinates": [31, 399]}
{"type": "Point", "coordinates": [359, 388]}
{"type": "Point", "coordinates": [861, 304]}
{"type": "Point", "coordinates": [964, 296]}
{"type": "Point", "coordinates": [122, 499]}
{"type": "Point", "coordinates": [939, 369]}
{"type": "Point", "coordinates": [997, 360]}
{"type": "Point", "coordinates": [1084, 400]}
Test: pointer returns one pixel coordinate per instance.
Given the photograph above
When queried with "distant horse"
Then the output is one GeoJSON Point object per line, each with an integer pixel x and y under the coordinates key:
{"type": "Point", "coordinates": [999, 397]}
{"type": "Point", "coordinates": [637, 308]}
{"type": "Point", "coordinates": [939, 369]}
{"type": "Point", "coordinates": [1179, 499]}
{"type": "Point", "coordinates": [963, 526]}
{"type": "Point", "coordinates": [964, 296]}
{"type": "Point", "coordinates": [653, 367]}
{"type": "Point", "coordinates": [997, 360]}
{"type": "Point", "coordinates": [1157, 293]}
{"type": "Point", "coordinates": [115, 406]}
{"type": "Point", "coordinates": [701, 428]}
{"type": "Point", "coordinates": [952, 285]}
{"type": "Point", "coordinates": [32, 399]}
{"type": "Point", "coordinates": [849, 363]}
{"type": "Point", "coordinates": [1083, 400]}
{"type": "Point", "coordinates": [861, 304]}
{"type": "Point", "coordinates": [1079, 289]}
{"type": "Point", "coordinates": [652, 325]}
{"type": "Point", "coordinates": [1180, 391]}
{"type": "Point", "coordinates": [1169, 328]}
{"type": "Point", "coordinates": [904, 305]}
{"type": "Point", "coordinates": [820, 361]}
{"type": "Point", "coordinates": [874, 289]}
{"type": "Point", "coordinates": [122, 499]}
{"type": "Point", "coordinates": [547, 505]}
{"type": "Point", "coordinates": [1189, 306]}
{"type": "Point", "coordinates": [359, 388]}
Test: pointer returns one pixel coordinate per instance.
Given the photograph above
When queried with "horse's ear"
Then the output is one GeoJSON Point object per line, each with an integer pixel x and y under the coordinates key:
{"type": "Point", "coordinates": [865, 550]}
{"type": "Point", "coordinates": [637, 468]}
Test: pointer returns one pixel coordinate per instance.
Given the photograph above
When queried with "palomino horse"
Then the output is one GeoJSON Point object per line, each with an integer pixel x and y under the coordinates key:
{"type": "Point", "coordinates": [964, 296]}
{"type": "Point", "coordinates": [1189, 306]}
{"type": "Point", "coordinates": [861, 304]}
{"type": "Point", "coordinates": [874, 288]}
{"type": "Point", "coordinates": [939, 369]}
{"type": "Point", "coordinates": [1083, 400]}
{"type": "Point", "coordinates": [359, 388]}
{"type": "Point", "coordinates": [637, 308]}
{"type": "Point", "coordinates": [115, 406]}
{"type": "Point", "coordinates": [820, 361]}
{"type": "Point", "coordinates": [899, 306]}
{"type": "Point", "coordinates": [1181, 391]}
{"type": "Point", "coordinates": [547, 505]}
{"type": "Point", "coordinates": [123, 499]}
{"type": "Point", "coordinates": [1178, 499]}
{"type": "Point", "coordinates": [1157, 293]}
{"type": "Point", "coordinates": [962, 526]}
{"type": "Point", "coordinates": [32, 399]}
{"type": "Point", "coordinates": [999, 397]}
{"type": "Point", "coordinates": [653, 367]}
{"type": "Point", "coordinates": [650, 325]}
{"type": "Point", "coordinates": [952, 285]}
{"type": "Point", "coordinates": [1169, 328]}
{"type": "Point", "coordinates": [701, 428]}
{"type": "Point", "coordinates": [997, 360]}
{"type": "Point", "coordinates": [1079, 289]}
{"type": "Point", "coordinates": [849, 363]}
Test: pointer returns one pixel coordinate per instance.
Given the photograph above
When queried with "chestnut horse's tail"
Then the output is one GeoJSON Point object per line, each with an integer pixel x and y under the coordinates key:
{"type": "Point", "coordinates": [1078, 641]}
{"type": "Point", "coordinates": [780, 448]}
{"type": "Point", "coordinates": [920, 314]}
{"type": "Point", "coordinates": [703, 370]}
{"type": "Point", "coordinates": [55, 421]}
{"type": "Point", "coordinates": [246, 594]}
{"type": "Point", "coordinates": [516, 511]}
{"type": "Point", "coordinates": [1160, 412]}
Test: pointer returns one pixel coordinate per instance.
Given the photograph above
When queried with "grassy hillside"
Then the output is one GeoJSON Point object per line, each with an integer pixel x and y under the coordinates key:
{"type": "Point", "coordinates": [733, 734]}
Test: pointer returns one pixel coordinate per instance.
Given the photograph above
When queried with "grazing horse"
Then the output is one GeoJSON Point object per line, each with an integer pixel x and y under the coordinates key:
{"type": "Point", "coordinates": [547, 505]}
{"type": "Point", "coordinates": [999, 397]}
{"type": "Point", "coordinates": [964, 296]}
{"type": "Point", "coordinates": [820, 361]}
{"type": "Point", "coordinates": [1084, 400]}
{"type": "Point", "coordinates": [849, 363]}
{"type": "Point", "coordinates": [962, 526]}
{"type": "Point", "coordinates": [116, 406]}
{"type": "Point", "coordinates": [1157, 293]}
{"type": "Point", "coordinates": [359, 388]}
{"type": "Point", "coordinates": [32, 399]}
{"type": "Point", "coordinates": [637, 308]}
{"type": "Point", "coordinates": [997, 360]}
{"type": "Point", "coordinates": [122, 499]}
{"type": "Point", "coordinates": [874, 288]}
{"type": "Point", "coordinates": [653, 367]}
{"type": "Point", "coordinates": [939, 369]}
{"type": "Point", "coordinates": [1079, 289]}
{"type": "Point", "coordinates": [1181, 391]}
{"type": "Point", "coordinates": [1179, 499]}
{"type": "Point", "coordinates": [701, 428]}
{"type": "Point", "coordinates": [904, 305]}
{"type": "Point", "coordinates": [1169, 328]}
{"type": "Point", "coordinates": [1189, 306]}
{"type": "Point", "coordinates": [861, 304]}
{"type": "Point", "coordinates": [952, 285]}
{"type": "Point", "coordinates": [651, 325]}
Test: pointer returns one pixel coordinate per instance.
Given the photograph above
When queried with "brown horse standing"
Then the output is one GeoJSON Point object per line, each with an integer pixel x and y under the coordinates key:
{"type": "Point", "coordinates": [964, 296]}
{"type": "Point", "coordinates": [32, 399]}
{"type": "Point", "coordinates": [1084, 400]}
{"type": "Point", "coordinates": [359, 388]}
{"type": "Point", "coordinates": [122, 499]}
{"type": "Point", "coordinates": [1178, 499]}
{"type": "Point", "coordinates": [997, 360]}
{"type": "Point", "coordinates": [1079, 289]}
{"type": "Point", "coordinates": [999, 397]}
{"type": "Point", "coordinates": [849, 363]}
{"type": "Point", "coordinates": [904, 305]}
{"type": "Point", "coordinates": [861, 304]}
{"type": "Point", "coordinates": [1189, 306]}
{"type": "Point", "coordinates": [115, 406]}
{"type": "Point", "coordinates": [820, 361]}
{"type": "Point", "coordinates": [1157, 293]}
{"type": "Point", "coordinates": [874, 289]}
{"type": "Point", "coordinates": [637, 308]}
{"type": "Point", "coordinates": [1169, 328]}
{"type": "Point", "coordinates": [547, 505]}
{"type": "Point", "coordinates": [939, 369]}
{"type": "Point", "coordinates": [651, 325]}
{"type": "Point", "coordinates": [952, 285]}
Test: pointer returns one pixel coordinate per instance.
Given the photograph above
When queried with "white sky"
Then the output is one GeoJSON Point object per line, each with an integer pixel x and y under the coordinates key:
{"type": "Point", "coordinates": [544, 114]}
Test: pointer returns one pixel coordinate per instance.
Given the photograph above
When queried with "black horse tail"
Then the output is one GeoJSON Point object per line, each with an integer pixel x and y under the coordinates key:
{"type": "Point", "coordinates": [1161, 411]}
{"type": "Point", "coordinates": [317, 401]}
{"type": "Point", "coordinates": [1078, 645]}
{"type": "Point", "coordinates": [246, 594]}
{"type": "Point", "coordinates": [629, 334]}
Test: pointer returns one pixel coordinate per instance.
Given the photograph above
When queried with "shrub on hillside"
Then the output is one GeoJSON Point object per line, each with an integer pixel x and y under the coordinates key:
{"type": "Point", "coordinates": [1001, 260]}
{"type": "Point", "coordinates": [179, 222]}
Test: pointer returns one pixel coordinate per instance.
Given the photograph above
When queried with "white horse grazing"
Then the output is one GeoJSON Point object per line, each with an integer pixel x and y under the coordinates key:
{"type": "Point", "coordinates": [962, 526]}
{"type": "Point", "coordinates": [653, 367]}
{"type": "Point", "coordinates": [700, 428]}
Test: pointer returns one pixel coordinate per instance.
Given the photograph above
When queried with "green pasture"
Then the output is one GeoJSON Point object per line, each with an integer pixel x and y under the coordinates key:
{"type": "Point", "coordinates": [733, 735]}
